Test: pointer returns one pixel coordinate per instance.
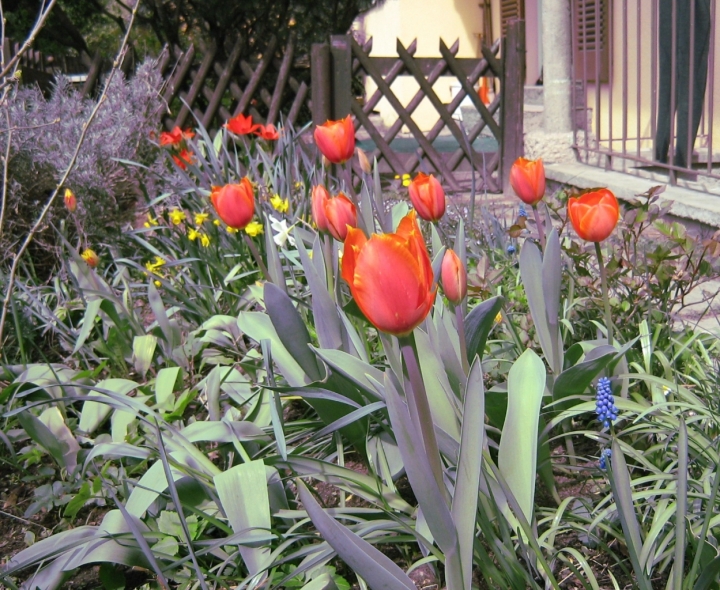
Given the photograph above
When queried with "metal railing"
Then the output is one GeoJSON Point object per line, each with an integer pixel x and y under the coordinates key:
{"type": "Point", "coordinates": [645, 86]}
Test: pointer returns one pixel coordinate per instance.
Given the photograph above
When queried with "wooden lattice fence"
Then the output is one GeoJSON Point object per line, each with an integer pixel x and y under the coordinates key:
{"type": "Point", "coordinates": [337, 64]}
{"type": "Point", "coordinates": [216, 90]}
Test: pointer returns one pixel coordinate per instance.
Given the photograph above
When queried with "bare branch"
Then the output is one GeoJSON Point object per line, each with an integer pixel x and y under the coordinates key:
{"type": "Point", "coordinates": [43, 214]}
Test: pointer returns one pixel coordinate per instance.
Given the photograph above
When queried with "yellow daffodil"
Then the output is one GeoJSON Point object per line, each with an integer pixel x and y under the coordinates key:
{"type": "Point", "coordinates": [253, 229]}
{"type": "Point", "coordinates": [151, 221]}
{"type": "Point", "coordinates": [177, 216]}
{"type": "Point", "coordinates": [204, 240]}
{"type": "Point", "coordinates": [231, 230]}
{"type": "Point", "coordinates": [279, 204]}
{"type": "Point", "coordinates": [155, 265]}
{"type": "Point", "coordinates": [193, 234]}
{"type": "Point", "coordinates": [200, 218]}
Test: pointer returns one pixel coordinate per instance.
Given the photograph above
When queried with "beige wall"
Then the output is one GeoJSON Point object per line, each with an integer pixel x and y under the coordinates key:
{"type": "Point", "coordinates": [428, 21]}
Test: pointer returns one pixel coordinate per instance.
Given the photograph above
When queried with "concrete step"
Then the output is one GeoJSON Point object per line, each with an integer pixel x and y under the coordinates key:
{"type": "Point", "coordinates": [534, 95]}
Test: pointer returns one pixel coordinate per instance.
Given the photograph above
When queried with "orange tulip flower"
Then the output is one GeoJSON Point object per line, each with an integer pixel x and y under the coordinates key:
{"type": "Point", "coordinates": [70, 200]}
{"type": "Point", "coordinates": [235, 203]}
{"type": "Point", "coordinates": [454, 277]}
{"type": "Point", "coordinates": [336, 140]}
{"type": "Point", "coordinates": [340, 213]}
{"type": "Point", "coordinates": [175, 136]}
{"type": "Point", "coordinates": [427, 196]}
{"type": "Point", "coordinates": [527, 177]}
{"type": "Point", "coordinates": [241, 125]}
{"type": "Point", "coordinates": [594, 215]}
{"type": "Point", "coordinates": [267, 132]}
{"type": "Point", "coordinates": [320, 196]}
{"type": "Point", "coordinates": [390, 276]}
{"type": "Point", "coordinates": [184, 158]}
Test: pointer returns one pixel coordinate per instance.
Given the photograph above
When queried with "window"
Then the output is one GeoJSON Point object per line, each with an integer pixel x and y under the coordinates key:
{"type": "Point", "coordinates": [591, 34]}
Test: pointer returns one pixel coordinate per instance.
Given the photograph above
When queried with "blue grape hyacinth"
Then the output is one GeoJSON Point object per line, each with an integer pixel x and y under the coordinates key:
{"type": "Point", "coordinates": [604, 456]}
{"type": "Point", "coordinates": [605, 407]}
{"type": "Point", "coordinates": [522, 212]}
{"type": "Point", "coordinates": [511, 249]}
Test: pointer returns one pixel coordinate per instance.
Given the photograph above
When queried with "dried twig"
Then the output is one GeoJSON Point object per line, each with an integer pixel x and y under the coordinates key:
{"type": "Point", "coordinates": [43, 214]}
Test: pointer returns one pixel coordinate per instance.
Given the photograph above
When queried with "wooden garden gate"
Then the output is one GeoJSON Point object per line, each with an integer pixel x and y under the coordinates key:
{"type": "Point", "coordinates": [337, 64]}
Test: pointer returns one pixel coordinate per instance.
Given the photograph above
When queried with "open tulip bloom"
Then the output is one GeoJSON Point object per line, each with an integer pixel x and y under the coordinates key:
{"type": "Point", "coordinates": [390, 276]}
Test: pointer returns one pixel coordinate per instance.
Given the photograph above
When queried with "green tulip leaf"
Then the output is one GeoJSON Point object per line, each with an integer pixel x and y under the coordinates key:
{"type": "Point", "coordinates": [291, 329]}
{"type": "Point", "coordinates": [517, 457]}
{"type": "Point", "coordinates": [478, 324]}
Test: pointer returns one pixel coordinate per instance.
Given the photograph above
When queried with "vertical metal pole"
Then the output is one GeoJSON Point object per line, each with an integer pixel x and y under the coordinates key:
{"type": "Point", "coordinates": [711, 84]}
{"type": "Point", "coordinates": [625, 77]}
{"type": "Point", "coordinates": [513, 92]}
{"type": "Point", "coordinates": [691, 90]}
{"type": "Point", "coordinates": [638, 53]}
{"type": "Point", "coordinates": [611, 65]}
{"type": "Point", "coordinates": [598, 89]}
{"type": "Point", "coordinates": [654, 48]}
{"type": "Point", "coordinates": [673, 86]}
{"type": "Point", "coordinates": [320, 82]}
{"type": "Point", "coordinates": [341, 52]}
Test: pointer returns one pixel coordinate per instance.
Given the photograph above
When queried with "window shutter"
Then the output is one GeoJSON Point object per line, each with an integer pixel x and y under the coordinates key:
{"type": "Point", "coordinates": [510, 9]}
{"type": "Point", "coordinates": [591, 40]}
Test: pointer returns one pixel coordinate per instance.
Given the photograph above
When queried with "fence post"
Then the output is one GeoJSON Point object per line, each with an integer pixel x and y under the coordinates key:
{"type": "Point", "coordinates": [320, 82]}
{"type": "Point", "coordinates": [513, 95]}
{"type": "Point", "coordinates": [341, 75]}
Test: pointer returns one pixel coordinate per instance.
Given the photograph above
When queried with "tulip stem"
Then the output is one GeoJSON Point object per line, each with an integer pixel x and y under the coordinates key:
{"type": "Point", "coordinates": [540, 228]}
{"type": "Point", "coordinates": [328, 255]}
{"type": "Point", "coordinates": [420, 408]}
{"type": "Point", "coordinates": [256, 255]}
{"type": "Point", "coordinates": [461, 335]}
{"type": "Point", "coordinates": [606, 296]}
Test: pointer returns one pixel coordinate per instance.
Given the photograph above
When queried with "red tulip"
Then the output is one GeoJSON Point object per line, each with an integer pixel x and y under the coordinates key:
{"type": "Point", "coordinates": [320, 196]}
{"type": "Point", "coordinates": [70, 200]}
{"type": "Point", "coordinates": [241, 125]}
{"type": "Point", "coordinates": [267, 132]}
{"type": "Point", "coordinates": [527, 178]}
{"type": "Point", "coordinates": [336, 140]}
{"type": "Point", "coordinates": [594, 215]}
{"type": "Point", "coordinates": [390, 276]}
{"type": "Point", "coordinates": [454, 277]}
{"type": "Point", "coordinates": [234, 203]}
{"type": "Point", "coordinates": [184, 158]}
{"type": "Point", "coordinates": [175, 136]}
{"type": "Point", "coordinates": [340, 213]}
{"type": "Point", "coordinates": [427, 196]}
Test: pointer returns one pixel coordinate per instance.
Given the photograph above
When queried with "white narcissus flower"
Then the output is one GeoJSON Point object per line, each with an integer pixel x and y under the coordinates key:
{"type": "Point", "coordinates": [281, 231]}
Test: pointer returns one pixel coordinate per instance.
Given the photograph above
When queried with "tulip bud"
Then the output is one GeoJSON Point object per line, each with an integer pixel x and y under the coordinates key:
{"type": "Point", "coordinates": [341, 214]}
{"type": "Point", "coordinates": [527, 177]}
{"type": "Point", "coordinates": [336, 140]}
{"type": "Point", "coordinates": [594, 215]}
{"type": "Point", "coordinates": [70, 200]}
{"type": "Point", "coordinates": [363, 161]}
{"type": "Point", "coordinates": [90, 257]}
{"type": "Point", "coordinates": [235, 203]}
{"type": "Point", "coordinates": [427, 196]}
{"type": "Point", "coordinates": [320, 196]}
{"type": "Point", "coordinates": [454, 277]}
